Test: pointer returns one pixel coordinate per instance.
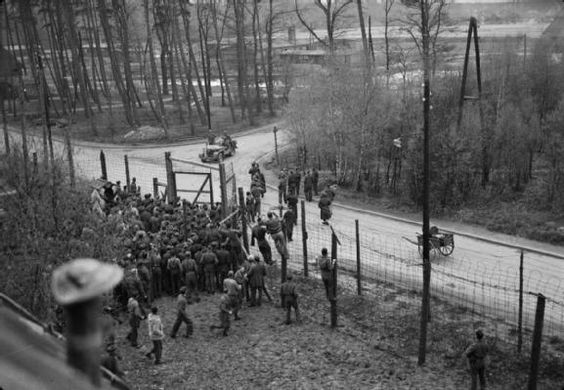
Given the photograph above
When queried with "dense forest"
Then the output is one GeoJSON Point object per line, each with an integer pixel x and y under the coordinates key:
{"type": "Point", "coordinates": [354, 111]}
{"type": "Point", "coordinates": [502, 144]}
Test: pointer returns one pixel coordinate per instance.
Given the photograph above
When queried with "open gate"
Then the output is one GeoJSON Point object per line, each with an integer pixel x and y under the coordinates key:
{"type": "Point", "coordinates": [190, 177]}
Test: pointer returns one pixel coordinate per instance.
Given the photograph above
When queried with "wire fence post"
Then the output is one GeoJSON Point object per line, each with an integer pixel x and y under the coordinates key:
{"type": "Point", "coordinates": [103, 165]}
{"type": "Point", "coordinates": [242, 212]}
{"type": "Point", "coordinates": [537, 338]}
{"type": "Point", "coordinates": [334, 284]}
{"type": "Point", "coordinates": [358, 271]}
{"type": "Point", "coordinates": [304, 239]}
{"type": "Point", "coordinates": [520, 319]}
{"type": "Point", "coordinates": [126, 162]}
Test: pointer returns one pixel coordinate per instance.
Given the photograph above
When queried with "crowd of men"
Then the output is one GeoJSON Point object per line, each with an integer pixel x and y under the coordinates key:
{"type": "Point", "coordinates": [184, 250]}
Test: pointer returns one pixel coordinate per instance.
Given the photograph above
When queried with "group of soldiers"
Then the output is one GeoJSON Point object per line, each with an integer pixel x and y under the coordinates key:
{"type": "Point", "coordinates": [289, 181]}
{"type": "Point", "coordinates": [184, 250]}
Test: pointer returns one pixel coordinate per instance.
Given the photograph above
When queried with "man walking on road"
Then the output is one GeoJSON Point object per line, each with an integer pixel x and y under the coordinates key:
{"type": "Point", "coordinates": [315, 180]}
{"type": "Point", "coordinates": [477, 354]}
{"type": "Point", "coordinates": [308, 186]}
{"type": "Point", "coordinates": [326, 266]}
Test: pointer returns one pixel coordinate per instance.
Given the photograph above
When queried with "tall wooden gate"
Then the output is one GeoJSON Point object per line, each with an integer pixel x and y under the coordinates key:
{"type": "Point", "coordinates": [203, 178]}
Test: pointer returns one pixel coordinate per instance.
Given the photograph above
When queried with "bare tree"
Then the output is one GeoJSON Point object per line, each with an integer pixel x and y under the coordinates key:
{"type": "Point", "coordinates": [332, 10]}
{"type": "Point", "coordinates": [387, 9]}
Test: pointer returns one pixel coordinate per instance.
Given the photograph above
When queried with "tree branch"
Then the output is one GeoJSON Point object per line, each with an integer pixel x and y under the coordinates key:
{"type": "Point", "coordinates": [304, 23]}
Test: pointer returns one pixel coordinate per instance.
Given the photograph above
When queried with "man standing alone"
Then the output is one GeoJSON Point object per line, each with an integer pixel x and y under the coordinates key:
{"type": "Point", "coordinates": [326, 266]}
{"type": "Point", "coordinates": [289, 299]}
{"type": "Point", "coordinates": [476, 355]}
{"type": "Point", "coordinates": [156, 334]}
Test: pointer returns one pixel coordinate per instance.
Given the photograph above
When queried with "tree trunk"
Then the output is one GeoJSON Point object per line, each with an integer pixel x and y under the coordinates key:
{"type": "Point", "coordinates": [221, 61]}
{"type": "Point", "coordinates": [155, 85]}
{"type": "Point", "coordinates": [270, 60]}
{"type": "Point", "coordinates": [364, 38]}
{"type": "Point", "coordinates": [114, 62]}
{"type": "Point", "coordinates": [204, 57]}
{"type": "Point", "coordinates": [255, 27]}
{"type": "Point", "coordinates": [194, 66]}
{"type": "Point", "coordinates": [123, 32]}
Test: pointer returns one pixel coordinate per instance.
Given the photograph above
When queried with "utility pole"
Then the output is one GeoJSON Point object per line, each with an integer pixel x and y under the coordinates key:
{"type": "Point", "coordinates": [426, 168]}
{"type": "Point", "coordinates": [275, 130]}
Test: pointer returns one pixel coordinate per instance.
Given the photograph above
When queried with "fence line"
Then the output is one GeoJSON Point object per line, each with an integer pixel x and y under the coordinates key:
{"type": "Point", "coordinates": [482, 289]}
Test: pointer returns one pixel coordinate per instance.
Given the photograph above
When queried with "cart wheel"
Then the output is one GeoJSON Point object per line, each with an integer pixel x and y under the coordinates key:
{"type": "Point", "coordinates": [447, 248]}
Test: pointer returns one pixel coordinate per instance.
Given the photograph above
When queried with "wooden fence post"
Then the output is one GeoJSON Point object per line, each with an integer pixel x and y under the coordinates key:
{"type": "Point", "coordinates": [304, 239]}
{"type": "Point", "coordinates": [70, 157]}
{"type": "Point", "coordinates": [103, 165]}
{"type": "Point", "coordinates": [243, 210]}
{"type": "Point", "coordinates": [127, 178]}
{"type": "Point", "coordinates": [520, 319]}
{"type": "Point", "coordinates": [170, 180]}
{"type": "Point", "coordinates": [358, 271]}
{"type": "Point", "coordinates": [223, 188]}
{"type": "Point", "coordinates": [334, 292]}
{"type": "Point", "coordinates": [537, 338]}
{"type": "Point", "coordinates": [155, 188]}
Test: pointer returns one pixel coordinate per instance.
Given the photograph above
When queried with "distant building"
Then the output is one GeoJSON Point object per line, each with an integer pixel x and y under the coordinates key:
{"type": "Point", "coordinates": [554, 36]}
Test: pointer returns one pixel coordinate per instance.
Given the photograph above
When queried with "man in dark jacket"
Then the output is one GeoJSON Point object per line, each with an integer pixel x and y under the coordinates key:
{"type": "Point", "coordinates": [289, 299]}
{"type": "Point", "coordinates": [308, 186]}
{"type": "Point", "coordinates": [209, 263]}
{"type": "Point", "coordinates": [476, 355]}
{"type": "Point", "coordinates": [324, 205]}
{"type": "Point", "coordinates": [223, 265]}
{"type": "Point", "coordinates": [326, 266]}
{"type": "Point", "coordinates": [288, 220]}
{"type": "Point", "coordinates": [256, 275]}
{"type": "Point", "coordinates": [190, 273]}
{"type": "Point", "coordinates": [315, 180]}
{"type": "Point", "coordinates": [258, 233]}
{"type": "Point", "coordinates": [292, 201]}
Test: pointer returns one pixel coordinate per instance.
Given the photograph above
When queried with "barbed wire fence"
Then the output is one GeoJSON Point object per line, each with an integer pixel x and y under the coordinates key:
{"type": "Point", "coordinates": [485, 291]}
